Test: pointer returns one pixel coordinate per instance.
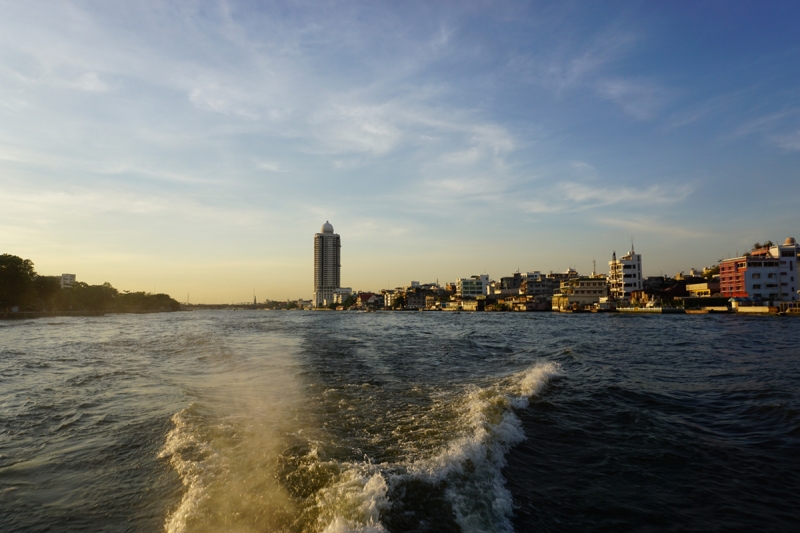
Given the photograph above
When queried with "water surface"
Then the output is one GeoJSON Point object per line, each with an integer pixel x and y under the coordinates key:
{"type": "Point", "coordinates": [299, 421]}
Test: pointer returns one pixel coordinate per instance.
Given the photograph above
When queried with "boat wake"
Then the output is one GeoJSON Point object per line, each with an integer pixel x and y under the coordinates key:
{"type": "Point", "coordinates": [426, 466]}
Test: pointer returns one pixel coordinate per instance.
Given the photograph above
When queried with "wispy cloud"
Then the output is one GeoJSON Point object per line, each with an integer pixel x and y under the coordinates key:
{"type": "Point", "coordinates": [763, 123]}
{"type": "Point", "coordinates": [569, 64]}
{"type": "Point", "coordinates": [790, 141]}
{"type": "Point", "coordinates": [705, 109]}
{"type": "Point", "coordinates": [270, 166]}
{"type": "Point", "coordinates": [641, 99]}
{"type": "Point", "coordinates": [642, 225]}
{"type": "Point", "coordinates": [596, 196]}
{"type": "Point", "coordinates": [572, 197]}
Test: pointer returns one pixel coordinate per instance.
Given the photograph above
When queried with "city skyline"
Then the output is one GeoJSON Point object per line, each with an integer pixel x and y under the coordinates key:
{"type": "Point", "coordinates": [193, 149]}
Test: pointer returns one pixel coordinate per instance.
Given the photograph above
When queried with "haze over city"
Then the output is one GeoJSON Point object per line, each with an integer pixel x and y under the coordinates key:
{"type": "Point", "coordinates": [196, 148]}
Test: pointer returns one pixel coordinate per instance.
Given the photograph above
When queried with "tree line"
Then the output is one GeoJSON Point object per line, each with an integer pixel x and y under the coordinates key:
{"type": "Point", "coordinates": [21, 286]}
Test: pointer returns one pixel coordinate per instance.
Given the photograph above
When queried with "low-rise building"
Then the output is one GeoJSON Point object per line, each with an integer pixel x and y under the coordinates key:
{"type": "Point", "coordinates": [473, 286]}
{"type": "Point", "coordinates": [570, 273]}
{"type": "Point", "coordinates": [464, 305]}
{"type": "Point", "coordinates": [536, 284]}
{"type": "Point", "coordinates": [389, 296]}
{"type": "Point", "coordinates": [368, 300]}
{"type": "Point", "coordinates": [580, 293]}
{"type": "Point", "coordinates": [341, 294]}
{"type": "Point", "coordinates": [703, 290]}
{"type": "Point", "coordinates": [416, 299]}
{"type": "Point", "coordinates": [765, 274]}
{"type": "Point", "coordinates": [508, 285]}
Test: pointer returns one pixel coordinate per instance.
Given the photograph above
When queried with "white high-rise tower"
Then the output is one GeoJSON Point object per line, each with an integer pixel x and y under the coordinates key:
{"type": "Point", "coordinates": [327, 265]}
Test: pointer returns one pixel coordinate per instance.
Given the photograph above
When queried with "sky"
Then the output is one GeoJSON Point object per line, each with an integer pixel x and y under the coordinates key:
{"type": "Point", "coordinates": [194, 148]}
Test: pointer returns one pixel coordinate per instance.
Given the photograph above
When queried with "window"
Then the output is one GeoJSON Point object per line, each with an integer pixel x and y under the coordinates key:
{"type": "Point", "coordinates": [756, 276]}
{"type": "Point", "coordinates": [757, 286]}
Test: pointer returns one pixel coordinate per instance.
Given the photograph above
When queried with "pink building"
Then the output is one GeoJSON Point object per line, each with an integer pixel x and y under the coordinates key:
{"type": "Point", "coordinates": [767, 274]}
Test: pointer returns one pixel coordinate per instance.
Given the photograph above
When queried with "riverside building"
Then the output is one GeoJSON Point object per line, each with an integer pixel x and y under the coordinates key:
{"type": "Point", "coordinates": [765, 274]}
{"type": "Point", "coordinates": [625, 274]}
{"type": "Point", "coordinates": [327, 265]}
{"type": "Point", "coordinates": [579, 293]}
{"type": "Point", "coordinates": [472, 287]}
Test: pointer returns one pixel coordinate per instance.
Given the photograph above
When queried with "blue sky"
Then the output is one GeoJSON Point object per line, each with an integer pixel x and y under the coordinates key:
{"type": "Point", "coordinates": [196, 147]}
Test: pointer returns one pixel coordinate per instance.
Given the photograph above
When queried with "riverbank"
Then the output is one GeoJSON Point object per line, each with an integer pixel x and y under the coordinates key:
{"type": "Point", "coordinates": [22, 315]}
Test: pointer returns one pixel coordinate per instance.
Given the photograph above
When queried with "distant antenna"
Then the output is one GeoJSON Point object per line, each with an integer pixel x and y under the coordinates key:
{"type": "Point", "coordinates": [594, 267]}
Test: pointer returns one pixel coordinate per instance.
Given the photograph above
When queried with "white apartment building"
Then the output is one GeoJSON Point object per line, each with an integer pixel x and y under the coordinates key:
{"type": "Point", "coordinates": [625, 274]}
{"type": "Point", "coordinates": [327, 265]}
{"type": "Point", "coordinates": [473, 286]}
{"type": "Point", "coordinates": [67, 281]}
{"type": "Point", "coordinates": [788, 270]}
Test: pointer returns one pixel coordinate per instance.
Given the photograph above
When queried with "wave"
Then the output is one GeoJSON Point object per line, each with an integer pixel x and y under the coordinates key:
{"type": "Point", "coordinates": [471, 465]}
{"type": "Point", "coordinates": [245, 477]}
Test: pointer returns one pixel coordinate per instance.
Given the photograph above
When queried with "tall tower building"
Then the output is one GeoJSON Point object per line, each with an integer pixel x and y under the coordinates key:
{"type": "Point", "coordinates": [327, 265]}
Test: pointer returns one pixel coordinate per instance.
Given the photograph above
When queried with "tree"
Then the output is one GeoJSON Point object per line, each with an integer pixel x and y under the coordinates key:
{"type": "Point", "coordinates": [711, 273]}
{"type": "Point", "coordinates": [46, 289]}
{"type": "Point", "coordinates": [399, 302]}
{"type": "Point", "coordinates": [16, 280]}
{"type": "Point", "coordinates": [84, 297]}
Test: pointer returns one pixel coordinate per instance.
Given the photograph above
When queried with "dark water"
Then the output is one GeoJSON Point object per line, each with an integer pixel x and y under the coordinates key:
{"type": "Point", "coordinates": [297, 421]}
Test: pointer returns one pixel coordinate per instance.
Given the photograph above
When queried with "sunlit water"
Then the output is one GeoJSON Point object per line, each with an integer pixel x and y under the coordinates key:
{"type": "Point", "coordinates": [332, 422]}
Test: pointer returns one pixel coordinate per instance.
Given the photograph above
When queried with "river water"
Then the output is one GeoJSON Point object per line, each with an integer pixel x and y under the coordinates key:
{"type": "Point", "coordinates": [260, 421]}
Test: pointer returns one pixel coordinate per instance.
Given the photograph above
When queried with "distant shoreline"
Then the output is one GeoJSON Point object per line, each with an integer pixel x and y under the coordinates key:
{"type": "Point", "coordinates": [22, 315]}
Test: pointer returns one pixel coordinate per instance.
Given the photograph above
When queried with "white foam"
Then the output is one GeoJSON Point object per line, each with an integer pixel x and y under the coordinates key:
{"type": "Point", "coordinates": [353, 503]}
{"type": "Point", "coordinates": [469, 467]}
{"type": "Point", "coordinates": [472, 464]}
{"type": "Point", "coordinates": [184, 450]}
